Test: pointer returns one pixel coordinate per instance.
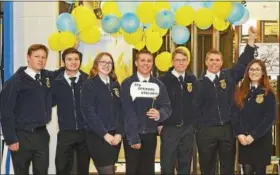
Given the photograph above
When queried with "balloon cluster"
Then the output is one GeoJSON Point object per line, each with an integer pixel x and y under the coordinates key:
{"type": "Point", "coordinates": [144, 23]}
{"type": "Point", "coordinates": [81, 23]}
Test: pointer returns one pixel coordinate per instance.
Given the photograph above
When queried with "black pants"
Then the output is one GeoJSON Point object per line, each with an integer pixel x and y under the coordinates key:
{"type": "Point", "coordinates": [176, 146]}
{"type": "Point", "coordinates": [254, 169]}
{"type": "Point", "coordinates": [141, 161]}
{"type": "Point", "coordinates": [33, 147]}
{"type": "Point", "coordinates": [215, 140]}
{"type": "Point", "coordinates": [67, 143]}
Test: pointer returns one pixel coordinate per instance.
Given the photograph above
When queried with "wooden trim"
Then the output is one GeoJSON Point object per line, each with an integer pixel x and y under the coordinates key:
{"type": "Point", "coordinates": [259, 32]}
{"type": "Point", "coordinates": [237, 38]}
{"type": "Point", "coordinates": [215, 39]}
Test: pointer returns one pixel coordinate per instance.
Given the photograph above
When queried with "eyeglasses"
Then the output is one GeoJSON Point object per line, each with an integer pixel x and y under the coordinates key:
{"type": "Point", "coordinates": [105, 63]}
{"type": "Point", "coordinates": [180, 60]}
{"type": "Point", "coordinates": [255, 70]}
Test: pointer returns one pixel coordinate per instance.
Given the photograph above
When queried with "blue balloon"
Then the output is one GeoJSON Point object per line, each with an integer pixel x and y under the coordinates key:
{"type": "Point", "coordinates": [176, 5]}
{"type": "Point", "coordinates": [66, 22]}
{"type": "Point", "coordinates": [70, 1]}
{"type": "Point", "coordinates": [127, 6]}
{"type": "Point", "coordinates": [236, 13]}
{"type": "Point", "coordinates": [196, 5]}
{"type": "Point", "coordinates": [244, 18]}
{"type": "Point", "coordinates": [180, 34]}
{"type": "Point", "coordinates": [130, 22]}
{"type": "Point", "coordinates": [208, 4]}
{"type": "Point", "coordinates": [165, 19]}
{"type": "Point", "coordinates": [110, 24]}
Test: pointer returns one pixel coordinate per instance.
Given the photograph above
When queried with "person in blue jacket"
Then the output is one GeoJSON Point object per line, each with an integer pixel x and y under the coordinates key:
{"type": "Point", "coordinates": [25, 105]}
{"type": "Point", "coordinates": [66, 90]}
{"type": "Point", "coordinates": [101, 108]}
{"type": "Point", "coordinates": [213, 101]}
{"type": "Point", "coordinates": [141, 118]}
{"type": "Point", "coordinates": [256, 112]}
{"type": "Point", "coordinates": [176, 132]}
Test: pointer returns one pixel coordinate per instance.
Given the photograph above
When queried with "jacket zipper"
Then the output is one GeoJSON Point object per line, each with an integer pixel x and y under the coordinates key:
{"type": "Point", "coordinates": [74, 107]}
{"type": "Point", "coordinates": [215, 87]}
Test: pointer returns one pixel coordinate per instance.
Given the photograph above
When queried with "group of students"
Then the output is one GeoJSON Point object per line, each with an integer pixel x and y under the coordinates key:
{"type": "Point", "coordinates": [96, 114]}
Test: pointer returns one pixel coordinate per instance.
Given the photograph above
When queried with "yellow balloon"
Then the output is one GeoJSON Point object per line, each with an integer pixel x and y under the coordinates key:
{"type": "Point", "coordinates": [53, 42]}
{"type": "Point", "coordinates": [184, 15]}
{"type": "Point", "coordinates": [67, 39]}
{"type": "Point", "coordinates": [163, 61]}
{"type": "Point", "coordinates": [161, 4]}
{"type": "Point", "coordinates": [140, 45]}
{"type": "Point", "coordinates": [186, 50]}
{"type": "Point", "coordinates": [203, 18]}
{"type": "Point", "coordinates": [84, 17]}
{"type": "Point", "coordinates": [153, 42]}
{"type": "Point", "coordinates": [134, 38]}
{"type": "Point", "coordinates": [90, 36]}
{"type": "Point", "coordinates": [145, 12]}
{"type": "Point", "coordinates": [222, 9]}
{"type": "Point", "coordinates": [110, 7]}
{"type": "Point", "coordinates": [155, 28]}
{"type": "Point", "coordinates": [220, 24]}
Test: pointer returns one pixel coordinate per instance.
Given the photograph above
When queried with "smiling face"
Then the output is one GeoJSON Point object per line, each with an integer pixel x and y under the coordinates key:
{"type": "Point", "coordinates": [180, 62]}
{"type": "Point", "coordinates": [214, 62]}
{"type": "Point", "coordinates": [37, 60]}
{"type": "Point", "coordinates": [72, 62]}
{"type": "Point", "coordinates": [255, 73]}
{"type": "Point", "coordinates": [144, 64]}
{"type": "Point", "coordinates": [105, 65]}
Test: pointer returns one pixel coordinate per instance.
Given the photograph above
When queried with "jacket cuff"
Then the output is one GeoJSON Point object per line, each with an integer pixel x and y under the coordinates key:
{"type": "Point", "coordinates": [134, 140]}
{"type": "Point", "coordinates": [10, 141]}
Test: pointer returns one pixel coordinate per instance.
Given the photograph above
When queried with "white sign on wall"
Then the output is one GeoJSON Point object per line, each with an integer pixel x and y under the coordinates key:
{"type": "Point", "coordinates": [269, 53]}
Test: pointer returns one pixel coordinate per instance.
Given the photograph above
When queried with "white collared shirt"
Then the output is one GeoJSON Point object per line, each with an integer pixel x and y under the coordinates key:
{"type": "Point", "coordinates": [177, 74]}
{"type": "Point", "coordinates": [211, 75]}
{"type": "Point", "coordinates": [31, 72]}
{"type": "Point", "coordinates": [255, 85]}
{"type": "Point", "coordinates": [67, 77]}
{"type": "Point", "coordinates": [141, 78]}
{"type": "Point", "coordinates": [106, 81]}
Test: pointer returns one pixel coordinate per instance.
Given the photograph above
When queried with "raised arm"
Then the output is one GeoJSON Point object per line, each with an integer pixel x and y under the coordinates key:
{"type": "Point", "coordinates": [238, 70]}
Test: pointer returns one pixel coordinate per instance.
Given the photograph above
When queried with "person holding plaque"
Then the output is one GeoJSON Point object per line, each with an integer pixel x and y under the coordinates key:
{"type": "Point", "coordinates": [143, 110]}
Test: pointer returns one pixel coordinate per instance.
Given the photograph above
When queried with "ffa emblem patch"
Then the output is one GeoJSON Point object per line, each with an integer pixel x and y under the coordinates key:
{"type": "Point", "coordinates": [223, 84]}
{"type": "Point", "coordinates": [259, 98]}
{"type": "Point", "coordinates": [189, 87]}
{"type": "Point", "coordinates": [116, 91]}
{"type": "Point", "coordinates": [48, 84]}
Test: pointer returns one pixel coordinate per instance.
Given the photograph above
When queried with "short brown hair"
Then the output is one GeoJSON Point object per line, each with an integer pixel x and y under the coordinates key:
{"type": "Point", "coordinates": [143, 52]}
{"type": "Point", "coordinates": [214, 51]}
{"type": "Point", "coordinates": [179, 51]}
{"type": "Point", "coordinates": [69, 51]}
{"type": "Point", "coordinates": [35, 47]}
